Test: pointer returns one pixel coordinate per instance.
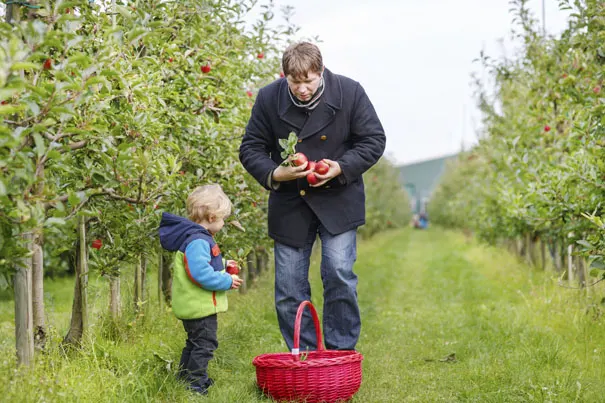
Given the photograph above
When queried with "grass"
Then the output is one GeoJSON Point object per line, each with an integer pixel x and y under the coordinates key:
{"type": "Point", "coordinates": [444, 320]}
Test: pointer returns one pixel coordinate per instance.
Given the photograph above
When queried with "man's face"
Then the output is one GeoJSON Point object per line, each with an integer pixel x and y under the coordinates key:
{"type": "Point", "coordinates": [303, 88]}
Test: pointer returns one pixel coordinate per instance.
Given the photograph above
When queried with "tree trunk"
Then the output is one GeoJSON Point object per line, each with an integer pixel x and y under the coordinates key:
{"type": "Point", "coordinates": [38, 269]}
{"type": "Point", "coordinates": [24, 324]}
{"type": "Point", "coordinates": [115, 304]}
{"type": "Point", "coordinates": [249, 273]}
{"type": "Point", "coordinates": [143, 278]}
{"type": "Point", "coordinates": [38, 292]}
{"type": "Point", "coordinates": [166, 278]}
{"type": "Point", "coordinates": [570, 264]}
{"type": "Point", "coordinates": [160, 278]}
{"type": "Point", "coordinates": [542, 255]}
{"type": "Point", "coordinates": [252, 266]}
{"type": "Point", "coordinates": [138, 278]}
{"type": "Point", "coordinates": [580, 270]}
{"type": "Point", "coordinates": [261, 260]}
{"type": "Point", "coordinates": [12, 13]}
{"type": "Point", "coordinates": [79, 312]}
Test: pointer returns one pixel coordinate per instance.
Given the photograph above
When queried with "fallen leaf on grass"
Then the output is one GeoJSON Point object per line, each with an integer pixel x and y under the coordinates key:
{"type": "Point", "coordinates": [448, 358]}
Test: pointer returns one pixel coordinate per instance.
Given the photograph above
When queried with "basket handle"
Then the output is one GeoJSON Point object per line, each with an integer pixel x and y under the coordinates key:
{"type": "Point", "coordinates": [301, 308]}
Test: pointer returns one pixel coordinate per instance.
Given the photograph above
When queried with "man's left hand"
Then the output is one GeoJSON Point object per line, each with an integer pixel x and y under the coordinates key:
{"type": "Point", "coordinates": [333, 172]}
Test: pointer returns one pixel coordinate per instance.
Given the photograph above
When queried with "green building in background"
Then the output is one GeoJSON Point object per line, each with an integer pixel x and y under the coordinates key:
{"type": "Point", "coordinates": [421, 178]}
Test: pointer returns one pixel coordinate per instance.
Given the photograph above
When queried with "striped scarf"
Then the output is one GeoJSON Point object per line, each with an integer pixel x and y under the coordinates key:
{"type": "Point", "coordinates": [313, 102]}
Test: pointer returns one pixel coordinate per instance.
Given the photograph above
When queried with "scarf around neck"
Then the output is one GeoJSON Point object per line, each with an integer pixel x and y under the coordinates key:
{"type": "Point", "coordinates": [313, 102]}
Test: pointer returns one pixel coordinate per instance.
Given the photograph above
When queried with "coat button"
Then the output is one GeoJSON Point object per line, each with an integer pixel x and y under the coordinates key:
{"type": "Point", "coordinates": [302, 192]}
{"type": "Point", "coordinates": [324, 137]}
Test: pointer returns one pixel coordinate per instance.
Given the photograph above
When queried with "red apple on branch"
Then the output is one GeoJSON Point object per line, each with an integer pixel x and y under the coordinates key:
{"type": "Point", "coordinates": [97, 244]}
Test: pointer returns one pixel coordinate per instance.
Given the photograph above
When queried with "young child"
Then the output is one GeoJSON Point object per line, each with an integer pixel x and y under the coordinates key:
{"type": "Point", "coordinates": [199, 280]}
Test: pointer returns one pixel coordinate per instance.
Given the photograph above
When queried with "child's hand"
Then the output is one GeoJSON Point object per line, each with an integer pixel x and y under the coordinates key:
{"type": "Point", "coordinates": [236, 282]}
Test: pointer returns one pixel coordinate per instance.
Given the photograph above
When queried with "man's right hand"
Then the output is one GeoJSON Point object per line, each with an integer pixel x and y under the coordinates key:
{"type": "Point", "coordinates": [287, 173]}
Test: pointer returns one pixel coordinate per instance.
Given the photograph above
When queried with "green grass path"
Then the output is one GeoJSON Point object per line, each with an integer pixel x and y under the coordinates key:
{"type": "Point", "coordinates": [443, 320]}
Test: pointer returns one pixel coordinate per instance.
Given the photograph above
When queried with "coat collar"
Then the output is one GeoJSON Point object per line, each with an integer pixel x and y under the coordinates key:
{"type": "Point", "coordinates": [321, 116]}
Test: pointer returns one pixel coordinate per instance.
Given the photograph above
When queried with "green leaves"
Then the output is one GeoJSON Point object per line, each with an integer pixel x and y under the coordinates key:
{"type": "Point", "coordinates": [539, 169]}
{"type": "Point", "coordinates": [119, 123]}
{"type": "Point", "coordinates": [289, 146]}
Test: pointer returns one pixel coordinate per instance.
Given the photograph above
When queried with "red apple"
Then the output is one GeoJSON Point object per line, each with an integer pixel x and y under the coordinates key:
{"type": "Point", "coordinates": [206, 69]}
{"type": "Point", "coordinates": [249, 93]}
{"type": "Point", "coordinates": [312, 179]}
{"type": "Point", "coordinates": [322, 167]}
{"type": "Point", "coordinates": [48, 63]}
{"type": "Point", "coordinates": [97, 244]}
{"type": "Point", "coordinates": [4, 102]}
{"type": "Point", "coordinates": [547, 128]}
{"type": "Point", "coordinates": [260, 55]}
{"type": "Point", "coordinates": [170, 60]}
{"type": "Point", "coordinates": [311, 165]}
{"type": "Point", "coordinates": [232, 267]}
{"type": "Point", "coordinates": [597, 89]}
{"type": "Point", "coordinates": [299, 159]}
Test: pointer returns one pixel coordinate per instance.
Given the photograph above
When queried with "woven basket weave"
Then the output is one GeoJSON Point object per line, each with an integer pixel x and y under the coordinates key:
{"type": "Point", "coordinates": [314, 376]}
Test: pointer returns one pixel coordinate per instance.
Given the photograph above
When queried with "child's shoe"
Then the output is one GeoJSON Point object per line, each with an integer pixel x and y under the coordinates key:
{"type": "Point", "coordinates": [202, 389]}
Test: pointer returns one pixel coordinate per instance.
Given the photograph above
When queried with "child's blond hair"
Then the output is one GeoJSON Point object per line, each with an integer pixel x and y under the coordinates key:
{"type": "Point", "coordinates": [206, 201]}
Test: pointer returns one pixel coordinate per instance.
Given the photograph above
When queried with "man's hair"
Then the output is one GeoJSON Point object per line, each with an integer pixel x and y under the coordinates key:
{"type": "Point", "coordinates": [300, 59]}
{"type": "Point", "coordinates": [208, 200]}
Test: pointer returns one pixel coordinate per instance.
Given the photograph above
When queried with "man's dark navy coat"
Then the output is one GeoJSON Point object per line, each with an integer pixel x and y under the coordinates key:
{"type": "Point", "coordinates": [344, 127]}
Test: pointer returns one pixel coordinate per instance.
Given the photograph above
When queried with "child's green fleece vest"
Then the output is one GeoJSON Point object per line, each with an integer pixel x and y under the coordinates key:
{"type": "Point", "coordinates": [189, 300]}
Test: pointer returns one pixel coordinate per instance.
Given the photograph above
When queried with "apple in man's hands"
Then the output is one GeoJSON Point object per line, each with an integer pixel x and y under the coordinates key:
{"type": "Point", "coordinates": [298, 159]}
{"type": "Point", "coordinates": [332, 172]}
{"type": "Point", "coordinates": [321, 167]}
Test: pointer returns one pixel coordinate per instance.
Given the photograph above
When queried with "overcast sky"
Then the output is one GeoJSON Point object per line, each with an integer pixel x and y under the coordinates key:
{"type": "Point", "coordinates": [415, 58]}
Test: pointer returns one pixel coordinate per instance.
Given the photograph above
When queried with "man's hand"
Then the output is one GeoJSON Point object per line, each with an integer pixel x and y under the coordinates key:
{"type": "Point", "coordinates": [236, 282]}
{"type": "Point", "coordinates": [333, 172]}
{"type": "Point", "coordinates": [287, 173]}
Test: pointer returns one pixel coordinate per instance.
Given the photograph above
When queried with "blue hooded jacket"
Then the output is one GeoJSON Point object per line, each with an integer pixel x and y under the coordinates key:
{"type": "Point", "coordinates": [199, 256]}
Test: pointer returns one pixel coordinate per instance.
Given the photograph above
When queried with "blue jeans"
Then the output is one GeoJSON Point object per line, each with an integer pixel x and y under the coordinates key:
{"type": "Point", "coordinates": [341, 319]}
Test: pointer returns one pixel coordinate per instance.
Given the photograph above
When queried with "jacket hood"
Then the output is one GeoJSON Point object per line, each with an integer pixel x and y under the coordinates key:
{"type": "Point", "coordinates": [174, 231]}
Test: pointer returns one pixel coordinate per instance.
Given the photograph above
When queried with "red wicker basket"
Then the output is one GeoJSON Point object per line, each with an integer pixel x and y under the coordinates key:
{"type": "Point", "coordinates": [314, 376]}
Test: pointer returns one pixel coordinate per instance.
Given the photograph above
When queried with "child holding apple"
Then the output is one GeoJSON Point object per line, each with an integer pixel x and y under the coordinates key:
{"type": "Point", "coordinates": [199, 282]}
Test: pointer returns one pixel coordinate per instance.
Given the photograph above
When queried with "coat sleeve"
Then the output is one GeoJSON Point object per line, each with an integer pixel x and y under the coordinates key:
{"type": "Point", "coordinates": [256, 146]}
{"type": "Point", "coordinates": [201, 272]}
{"type": "Point", "coordinates": [367, 137]}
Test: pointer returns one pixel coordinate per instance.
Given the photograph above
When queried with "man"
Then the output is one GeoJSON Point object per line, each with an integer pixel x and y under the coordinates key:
{"type": "Point", "coordinates": [334, 120]}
